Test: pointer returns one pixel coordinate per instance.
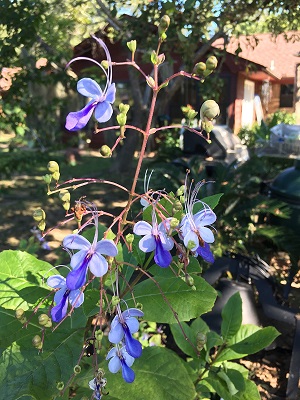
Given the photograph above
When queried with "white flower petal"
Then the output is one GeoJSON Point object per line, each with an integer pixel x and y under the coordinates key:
{"type": "Point", "coordinates": [76, 298]}
{"type": "Point", "coordinates": [205, 217]}
{"type": "Point", "coordinates": [206, 234]}
{"type": "Point", "coordinates": [98, 265]}
{"type": "Point", "coordinates": [76, 242]}
{"type": "Point", "coordinates": [142, 228]}
{"type": "Point", "coordinates": [147, 243]}
{"type": "Point", "coordinates": [78, 258]}
{"type": "Point", "coordinates": [107, 247]}
{"type": "Point", "coordinates": [56, 281]}
{"type": "Point", "coordinates": [191, 236]}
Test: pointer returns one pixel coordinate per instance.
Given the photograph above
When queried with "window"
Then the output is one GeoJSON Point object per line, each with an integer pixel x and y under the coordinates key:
{"type": "Point", "coordinates": [286, 95]}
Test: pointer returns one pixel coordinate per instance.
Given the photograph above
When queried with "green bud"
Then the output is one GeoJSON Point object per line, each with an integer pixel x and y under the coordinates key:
{"type": "Point", "coordinates": [191, 114]}
{"type": "Point", "coordinates": [211, 63]}
{"type": "Point", "coordinates": [56, 175]}
{"type": "Point", "coordinates": [180, 191]}
{"type": "Point", "coordinates": [208, 126]}
{"type": "Point", "coordinates": [105, 151]}
{"type": "Point", "coordinates": [150, 81]}
{"type": "Point", "coordinates": [164, 23]}
{"type": "Point", "coordinates": [77, 369]}
{"type": "Point", "coordinates": [99, 335]}
{"type": "Point", "coordinates": [199, 68]}
{"type": "Point", "coordinates": [105, 64]}
{"type": "Point", "coordinates": [154, 58]}
{"type": "Point", "coordinates": [37, 342]}
{"type": "Point", "coordinates": [207, 72]}
{"type": "Point", "coordinates": [53, 166]}
{"type": "Point", "coordinates": [131, 45]}
{"type": "Point", "coordinates": [45, 321]}
{"type": "Point", "coordinates": [64, 195]}
{"type": "Point", "coordinates": [20, 315]}
{"type": "Point", "coordinates": [47, 179]}
{"type": "Point", "coordinates": [39, 215]}
{"type": "Point", "coordinates": [139, 306]}
{"type": "Point", "coordinates": [161, 58]}
{"type": "Point", "coordinates": [66, 205]}
{"type": "Point", "coordinates": [115, 300]}
{"type": "Point", "coordinates": [189, 280]}
{"type": "Point", "coordinates": [60, 385]}
{"type": "Point", "coordinates": [121, 118]}
{"type": "Point", "coordinates": [177, 206]}
{"type": "Point", "coordinates": [163, 36]}
{"type": "Point", "coordinates": [191, 245]}
{"type": "Point", "coordinates": [209, 110]}
{"type": "Point", "coordinates": [124, 108]}
{"type": "Point", "coordinates": [42, 225]}
{"type": "Point", "coordinates": [174, 223]}
{"type": "Point", "coordinates": [200, 340]}
{"type": "Point", "coordinates": [129, 238]}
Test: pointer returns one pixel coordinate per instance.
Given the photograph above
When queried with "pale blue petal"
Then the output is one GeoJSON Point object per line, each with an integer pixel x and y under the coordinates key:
{"type": "Point", "coordinates": [76, 298]}
{"type": "Point", "coordinates": [142, 228]}
{"type": "Point", "coordinates": [76, 242]}
{"type": "Point", "coordinates": [56, 281]}
{"type": "Point", "coordinates": [133, 324]}
{"type": "Point", "coordinates": [111, 93]}
{"type": "Point", "coordinates": [107, 247]}
{"type": "Point", "coordinates": [114, 365]}
{"type": "Point", "coordinates": [147, 243]}
{"type": "Point", "coordinates": [103, 111]}
{"type": "Point", "coordinates": [112, 353]}
{"type": "Point", "coordinates": [78, 119]}
{"type": "Point", "coordinates": [205, 217]}
{"type": "Point", "coordinates": [128, 358]}
{"type": "Point", "coordinates": [89, 88]}
{"type": "Point", "coordinates": [98, 265]}
{"type": "Point", "coordinates": [116, 333]}
{"type": "Point", "coordinates": [191, 236]}
{"type": "Point", "coordinates": [132, 312]}
{"type": "Point", "coordinates": [166, 241]}
{"type": "Point", "coordinates": [206, 234]}
{"type": "Point", "coordinates": [78, 258]}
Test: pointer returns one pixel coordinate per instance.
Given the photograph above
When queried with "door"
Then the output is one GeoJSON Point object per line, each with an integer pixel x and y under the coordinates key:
{"type": "Point", "coordinates": [248, 104]}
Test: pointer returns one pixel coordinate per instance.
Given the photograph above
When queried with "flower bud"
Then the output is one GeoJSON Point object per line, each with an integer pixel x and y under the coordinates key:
{"type": "Point", "coordinates": [64, 195]}
{"type": "Point", "coordinates": [115, 300]}
{"type": "Point", "coordinates": [121, 118]}
{"type": "Point", "coordinates": [211, 63]}
{"type": "Point", "coordinates": [200, 340]}
{"type": "Point", "coordinates": [161, 58]}
{"type": "Point", "coordinates": [42, 225]}
{"type": "Point", "coordinates": [53, 166]}
{"type": "Point", "coordinates": [124, 108]}
{"type": "Point", "coordinates": [60, 386]}
{"type": "Point", "coordinates": [39, 215]}
{"type": "Point", "coordinates": [67, 205]}
{"type": "Point", "coordinates": [131, 45]}
{"type": "Point", "coordinates": [45, 321]}
{"type": "Point", "coordinates": [189, 280]}
{"type": "Point", "coordinates": [47, 179]}
{"type": "Point", "coordinates": [105, 64]}
{"type": "Point", "coordinates": [129, 238]}
{"type": "Point", "coordinates": [77, 369]}
{"type": "Point", "coordinates": [208, 126]}
{"type": "Point", "coordinates": [139, 306]}
{"type": "Point", "coordinates": [105, 151]}
{"type": "Point", "coordinates": [209, 110]}
{"type": "Point", "coordinates": [191, 245]}
{"type": "Point", "coordinates": [37, 342]}
{"type": "Point", "coordinates": [180, 191]}
{"type": "Point", "coordinates": [20, 315]}
{"type": "Point", "coordinates": [154, 58]}
{"type": "Point", "coordinates": [177, 206]}
{"type": "Point", "coordinates": [199, 68]}
{"type": "Point", "coordinates": [150, 81]}
{"type": "Point", "coordinates": [56, 175]}
{"type": "Point", "coordinates": [99, 335]}
{"type": "Point", "coordinates": [174, 223]}
{"type": "Point", "coordinates": [164, 23]}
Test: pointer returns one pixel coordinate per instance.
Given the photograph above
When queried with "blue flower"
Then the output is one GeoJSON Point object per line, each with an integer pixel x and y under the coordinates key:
{"type": "Point", "coordinates": [123, 326]}
{"type": "Point", "coordinates": [121, 359]}
{"type": "Point", "coordinates": [89, 256]}
{"type": "Point", "coordinates": [63, 296]}
{"type": "Point", "coordinates": [155, 239]}
{"type": "Point", "coordinates": [193, 228]}
{"type": "Point", "coordinates": [101, 101]}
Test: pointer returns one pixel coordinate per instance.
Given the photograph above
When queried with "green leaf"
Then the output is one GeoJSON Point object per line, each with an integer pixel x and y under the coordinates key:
{"type": "Point", "coordinates": [160, 374]}
{"type": "Point", "coordinates": [211, 201]}
{"type": "Point", "coordinates": [250, 393]}
{"type": "Point", "coordinates": [21, 279]}
{"type": "Point", "coordinates": [185, 301]}
{"type": "Point", "coordinates": [191, 331]}
{"type": "Point", "coordinates": [231, 316]}
{"type": "Point", "coordinates": [26, 373]}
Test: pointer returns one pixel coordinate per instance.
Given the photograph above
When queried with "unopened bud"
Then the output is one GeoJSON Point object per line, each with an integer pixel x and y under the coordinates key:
{"type": "Point", "coordinates": [191, 114]}
{"type": "Point", "coordinates": [161, 58]}
{"type": "Point", "coordinates": [42, 225]}
{"type": "Point", "coordinates": [122, 119]}
{"type": "Point", "coordinates": [129, 238]}
{"type": "Point", "coordinates": [47, 179]}
{"type": "Point", "coordinates": [105, 151]}
{"type": "Point", "coordinates": [20, 315]}
{"type": "Point", "coordinates": [131, 45]}
{"type": "Point", "coordinates": [200, 340]}
{"type": "Point", "coordinates": [139, 306]}
{"type": "Point", "coordinates": [164, 23]}
{"type": "Point", "coordinates": [115, 300]}
{"type": "Point", "coordinates": [53, 166]}
{"type": "Point", "coordinates": [56, 175]}
{"type": "Point", "coordinates": [45, 321]}
{"type": "Point", "coordinates": [154, 58]}
{"type": "Point", "coordinates": [180, 191]}
{"type": "Point", "coordinates": [39, 215]}
{"type": "Point", "coordinates": [208, 126]}
{"type": "Point", "coordinates": [64, 195]}
{"type": "Point", "coordinates": [150, 81]}
{"type": "Point", "coordinates": [99, 335]}
{"type": "Point", "coordinates": [77, 369]}
{"type": "Point", "coordinates": [199, 68]}
{"type": "Point", "coordinates": [191, 245]}
{"type": "Point", "coordinates": [37, 342]}
{"type": "Point", "coordinates": [174, 223]}
{"type": "Point", "coordinates": [124, 108]}
{"type": "Point", "coordinates": [66, 205]}
{"type": "Point", "coordinates": [177, 206]}
{"type": "Point", "coordinates": [209, 110]}
{"type": "Point", "coordinates": [211, 63]}
{"type": "Point", "coordinates": [189, 280]}
{"type": "Point", "coordinates": [105, 64]}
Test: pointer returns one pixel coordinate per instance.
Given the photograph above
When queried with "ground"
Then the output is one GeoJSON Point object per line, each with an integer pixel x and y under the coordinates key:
{"type": "Point", "coordinates": [21, 193]}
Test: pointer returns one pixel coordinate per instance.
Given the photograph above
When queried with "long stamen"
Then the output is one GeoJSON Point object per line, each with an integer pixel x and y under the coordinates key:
{"type": "Point", "coordinates": [88, 59]}
{"type": "Point", "coordinates": [108, 57]}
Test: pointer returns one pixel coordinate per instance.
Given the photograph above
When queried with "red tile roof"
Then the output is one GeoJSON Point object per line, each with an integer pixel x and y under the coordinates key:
{"type": "Point", "coordinates": [275, 53]}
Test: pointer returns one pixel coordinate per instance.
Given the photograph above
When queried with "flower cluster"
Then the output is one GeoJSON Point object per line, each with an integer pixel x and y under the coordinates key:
{"type": "Point", "coordinates": [127, 348]}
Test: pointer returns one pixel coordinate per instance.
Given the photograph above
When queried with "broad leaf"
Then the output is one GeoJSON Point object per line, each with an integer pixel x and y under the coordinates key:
{"type": "Point", "coordinates": [231, 316]}
{"type": "Point", "coordinates": [185, 301]}
{"type": "Point", "coordinates": [211, 201]}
